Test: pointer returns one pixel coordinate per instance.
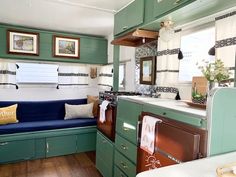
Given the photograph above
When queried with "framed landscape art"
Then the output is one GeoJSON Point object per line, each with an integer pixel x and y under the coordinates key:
{"type": "Point", "coordinates": [23, 43]}
{"type": "Point", "coordinates": [66, 47]}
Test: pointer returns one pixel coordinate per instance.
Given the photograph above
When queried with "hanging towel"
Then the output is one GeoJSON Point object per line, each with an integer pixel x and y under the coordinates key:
{"type": "Point", "coordinates": [103, 108]}
{"type": "Point", "coordinates": [148, 134]}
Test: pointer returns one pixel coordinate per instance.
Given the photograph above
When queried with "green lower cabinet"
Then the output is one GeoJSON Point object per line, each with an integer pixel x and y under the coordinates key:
{"type": "Point", "coordinates": [118, 172]}
{"type": "Point", "coordinates": [40, 148]}
{"type": "Point", "coordinates": [125, 165]}
{"type": "Point", "coordinates": [17, 150]}
{"type": "Point", "coordinates": [104, 155]}
{"type": "Point", "coordinates": [86, 142]}
{"type": "Point", "coordinates": [61, 145]}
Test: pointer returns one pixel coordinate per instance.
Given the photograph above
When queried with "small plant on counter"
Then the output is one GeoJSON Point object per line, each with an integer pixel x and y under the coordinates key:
{"type": "Point", "coordinates": [198, 97]}
{"type": "Point", "coordinates": [214, 72]}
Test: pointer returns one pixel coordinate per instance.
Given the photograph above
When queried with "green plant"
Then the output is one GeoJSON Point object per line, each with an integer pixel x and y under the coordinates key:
{"type": "Point", "coordinates": [215, 72]}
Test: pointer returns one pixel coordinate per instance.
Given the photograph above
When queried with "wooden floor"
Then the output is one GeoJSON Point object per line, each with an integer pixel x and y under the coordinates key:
{"type": "Point", "coordinates": [77, 165]}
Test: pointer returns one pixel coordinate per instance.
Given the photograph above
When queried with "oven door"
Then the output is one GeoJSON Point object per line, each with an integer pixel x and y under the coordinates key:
{"type": "Point", "coordinates": [108, 127]}
{"type": "Point", "coordinates": [173, 144]}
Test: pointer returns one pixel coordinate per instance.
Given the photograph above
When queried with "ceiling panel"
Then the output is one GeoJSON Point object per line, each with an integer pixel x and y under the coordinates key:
{"type": "Point", "coordinates": [93, 17]}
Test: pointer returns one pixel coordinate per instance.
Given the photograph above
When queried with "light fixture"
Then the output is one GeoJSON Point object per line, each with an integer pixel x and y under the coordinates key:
{"type": "Point", "coordinates": [166, 32]}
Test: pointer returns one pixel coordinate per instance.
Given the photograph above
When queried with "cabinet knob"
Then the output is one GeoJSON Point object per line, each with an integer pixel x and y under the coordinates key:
{"type": "Point", "coordinates": [104, 141]}
{"type": "Point", "coordinates": [125, 27]}
{"type": "Point", "coordinates": [164, 113]}
{"type": "Point", "coordinates": [124, 147]}
{"type": "Point", "coordinates": [123, 165]}
{"type": "Point", "coordinates": [177, 2]}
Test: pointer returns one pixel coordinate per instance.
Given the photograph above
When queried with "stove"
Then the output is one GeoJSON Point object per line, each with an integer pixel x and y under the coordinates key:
{"type": "Point", "coordinates": [112, 96]}
{"type": "Point", "coordinates": [108, 127]}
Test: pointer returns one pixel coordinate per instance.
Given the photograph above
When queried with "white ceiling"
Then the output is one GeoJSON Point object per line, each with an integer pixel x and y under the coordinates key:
{"type": "Point", "coordinates": [95, 17]}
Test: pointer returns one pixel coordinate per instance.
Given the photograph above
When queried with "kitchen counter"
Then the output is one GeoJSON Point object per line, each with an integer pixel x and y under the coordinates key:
{"type": "Point", "coordinates": [176, 105]}
{"type": "Point", "coordinates": [198, 168]}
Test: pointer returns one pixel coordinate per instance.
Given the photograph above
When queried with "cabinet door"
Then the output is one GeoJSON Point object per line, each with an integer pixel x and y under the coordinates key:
{"type": "Point", "coordinates": [129, 17]}
{"type": "Point", "coordinates": [61, 145]}
{"type": "Point", "coordinates": [104, 155]}
{"type": "Point", "coordinates": [17, 150]}
{"type": "Point", "coordinates": [163, 7]}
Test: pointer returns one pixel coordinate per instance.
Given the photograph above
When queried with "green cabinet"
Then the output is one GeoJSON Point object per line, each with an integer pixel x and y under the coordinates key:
{"type": "Point", "coordinates": [129, 17]}
{"type": "Point", "coordinates": [104, 155]}
{"type": "Point", "coordinates": [60, 145]}
{"type": "Point", "coordinates": [163, 7]}
{"type": "Point", "coordinates": [17, 150]}
{"type": "Point", "coordinates": [86, 142]}
{"type": "Point", "coordinates": [126, 138]}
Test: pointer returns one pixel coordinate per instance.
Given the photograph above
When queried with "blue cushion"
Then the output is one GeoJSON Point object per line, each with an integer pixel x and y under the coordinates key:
{"type": "Point", "coordinates": [31, 111]}
{"type": "Point", "coordinates": [46, 125]}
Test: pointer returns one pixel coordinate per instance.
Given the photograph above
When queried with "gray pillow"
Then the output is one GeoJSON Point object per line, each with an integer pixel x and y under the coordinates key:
{"type": "Point", "coordinates": [79, 111]}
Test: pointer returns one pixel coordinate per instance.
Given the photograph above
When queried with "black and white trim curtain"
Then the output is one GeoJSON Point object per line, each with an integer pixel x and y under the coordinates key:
{"type": "Point", "coordinates": [7, 75]}
{"type": "Point", "coordinates": [73, 76]}
{"type": "Point", "coordinates": [226, 40]}
{"type": "Point", "coordinates": [168, 62]}
{"type": "Point", "coordinates": [105, 77]}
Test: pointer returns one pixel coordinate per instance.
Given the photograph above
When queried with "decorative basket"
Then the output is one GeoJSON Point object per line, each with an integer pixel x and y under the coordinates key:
{"type": "Point", "coordinates": [199, 100]}
{"type": "Point", "coordinates": [226, 170]}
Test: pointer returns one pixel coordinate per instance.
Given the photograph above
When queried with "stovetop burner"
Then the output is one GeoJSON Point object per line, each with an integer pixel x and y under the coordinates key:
{"type": "Point", "coordinates": [112, 96]}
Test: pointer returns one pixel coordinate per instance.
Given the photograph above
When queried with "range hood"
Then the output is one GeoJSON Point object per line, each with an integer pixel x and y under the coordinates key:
{"type": "Point", "coordinates": [136, 38]}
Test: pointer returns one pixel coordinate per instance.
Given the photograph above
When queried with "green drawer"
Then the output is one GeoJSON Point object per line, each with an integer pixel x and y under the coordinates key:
{"type": "Point", "coordinates": [125, 165]}
{"type": "Point", "coordinates": [118, 173]}
{"type": "Point", "coordinates": [127, 129]}
{"type": "Point", "coordinates": [104, 155]}
{"type": "Point", "coordinates": [126, 148]}
{"type": "Point", "coordinates": [61, 145]}
{"type": "Point", "coordinates": [17, 150]}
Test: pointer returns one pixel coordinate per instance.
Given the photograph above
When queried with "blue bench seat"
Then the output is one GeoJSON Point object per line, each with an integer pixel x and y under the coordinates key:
{"type": "Point", "coordinates": [46, 125]}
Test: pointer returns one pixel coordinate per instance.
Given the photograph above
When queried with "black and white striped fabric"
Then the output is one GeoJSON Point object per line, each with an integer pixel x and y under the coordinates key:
{"type": "Point", "coordinates": [168, 63]}
{"type": "Point", "coordinates": [8, 75]}
{"type": "Point", "coordinates": [105, 77]}
{"type": "Point", "coordinates": [226, 40]}
{"type": "Point", "coordinates": [73, 76]}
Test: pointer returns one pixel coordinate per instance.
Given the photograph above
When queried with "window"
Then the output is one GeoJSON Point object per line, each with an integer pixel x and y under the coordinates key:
{"type": "Point", "coordinates": [122, 76]}
{"type": "Point", "coordinates": [195, 47]}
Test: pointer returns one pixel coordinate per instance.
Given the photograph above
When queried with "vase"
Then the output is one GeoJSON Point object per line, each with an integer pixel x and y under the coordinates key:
{"type": "Point", "coordinates": [212, 85]}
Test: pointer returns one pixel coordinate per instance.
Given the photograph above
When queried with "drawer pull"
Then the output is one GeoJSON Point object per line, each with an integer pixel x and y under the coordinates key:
{"type": "Point", "coordinates": [121, 175]}
{"type": "Point", "coordinates": [124, 165]}
{"type": "Point", "coordinates": [124, 147]}
{"type": "Point", "coordinates": [126, 129]}
{"type": "Point", "coordinates": [3, 144]}
{"type": "Point", "coordinates": [164, 113]}
{"type": "Point", "coordinates": [104, 141]}
{"type": "Point", "coordinates": [177, 2]}
{"type": "Point", "coordinates": [125, 27]}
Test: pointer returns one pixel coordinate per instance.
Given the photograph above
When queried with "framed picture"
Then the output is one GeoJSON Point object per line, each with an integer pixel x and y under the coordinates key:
{"type": "Point", "coordinates": [23, 43]}
{"type": "Point", "coordinates": [66, 47]}
{"type": "Point", "coordinates": [148, 70]}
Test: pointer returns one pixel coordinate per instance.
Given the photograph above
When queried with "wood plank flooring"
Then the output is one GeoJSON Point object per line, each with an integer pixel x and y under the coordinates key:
{"type": "Point", "coordinates": [76, 165]}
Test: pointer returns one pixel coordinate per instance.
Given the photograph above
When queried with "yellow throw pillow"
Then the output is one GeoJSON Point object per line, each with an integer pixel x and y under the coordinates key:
{"type": "Point", "coordinates": [8, 115]}
{"type": "Point", "coordinates": [95, 101]}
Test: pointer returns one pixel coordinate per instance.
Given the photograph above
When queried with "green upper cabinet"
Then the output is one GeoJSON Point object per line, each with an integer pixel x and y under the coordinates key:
{"type": "Point", "coordinates": [129, 17]}
{"type": "Point", "coordinates": [163, 7]}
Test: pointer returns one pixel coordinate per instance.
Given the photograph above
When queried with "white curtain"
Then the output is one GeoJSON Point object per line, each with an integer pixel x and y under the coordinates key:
{"type": "Point", "coordinates": [168, 63]}
{"type": "Point", "coordinates": [73, 76]}
{"type": "Point", "coordinates": [226, 40]}
{"type": "Point", "coordinates": [8, 75]}
{"type": "Point", "coordinates": [105, 77]}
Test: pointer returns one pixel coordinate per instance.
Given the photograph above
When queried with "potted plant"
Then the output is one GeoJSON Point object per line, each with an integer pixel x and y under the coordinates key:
{"type": "Point", "coordinates": [214, 72]}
